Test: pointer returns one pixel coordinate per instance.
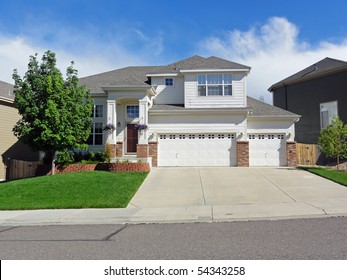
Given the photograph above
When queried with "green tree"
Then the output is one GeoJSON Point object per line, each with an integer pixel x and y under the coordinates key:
{"type": "Point", "coordinates": [333, 140]}
{"type": "Point", "coordinates": [55, 113]}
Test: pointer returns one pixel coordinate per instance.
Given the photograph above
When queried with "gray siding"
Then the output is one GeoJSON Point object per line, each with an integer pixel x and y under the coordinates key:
{"type": "Point", "coordinates": [304, 99]}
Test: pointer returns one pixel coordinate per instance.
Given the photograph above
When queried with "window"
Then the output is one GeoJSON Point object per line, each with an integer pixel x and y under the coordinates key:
{"type": "Point", "coordinates": [169, 82]}
{"type": "Point", "coordinates": [215, 84]}
{"type": "Point", "coordinates": [328, 111]}
{"type": "Point", "coordinates": [98, 111]}
{"type": "Point", "coordinates": [132, 111]}
{"type": "Point", "coordinates": [96, 135]}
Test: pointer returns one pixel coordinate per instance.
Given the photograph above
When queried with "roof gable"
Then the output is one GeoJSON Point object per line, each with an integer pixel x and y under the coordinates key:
{"type": "Point", "coordinates": [133, 76]}
{"type": "Point", "coordinates": [6, 90]}
{"type": "Point", "coordinates": [323, 67]}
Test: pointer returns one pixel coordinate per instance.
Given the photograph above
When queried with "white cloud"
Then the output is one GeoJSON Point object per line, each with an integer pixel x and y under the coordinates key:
{"type": "Point", "coordinates": [273, 50]}
{"type": "Point", "coordinates": [91, 56]}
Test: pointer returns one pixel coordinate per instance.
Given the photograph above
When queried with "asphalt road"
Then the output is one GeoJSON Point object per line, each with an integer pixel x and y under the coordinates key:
{"type": "Point", "coordinates": [323, 238]}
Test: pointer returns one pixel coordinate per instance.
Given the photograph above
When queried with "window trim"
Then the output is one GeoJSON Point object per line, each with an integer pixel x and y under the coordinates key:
{"type": "Point", "coordinates": [320, 111]}
{"type": "Point", "coordinates": [206, 84]}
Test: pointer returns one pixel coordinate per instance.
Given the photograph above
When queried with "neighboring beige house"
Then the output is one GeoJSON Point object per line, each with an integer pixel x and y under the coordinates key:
{"type": "Point", "coordinates": [10, 147]}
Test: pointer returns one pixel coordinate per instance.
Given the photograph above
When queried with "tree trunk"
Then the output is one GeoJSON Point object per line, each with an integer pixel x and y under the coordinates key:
{"type": "Point", "coordinates": [338, 164]}
{"type": "Point", "coordinates": [53, 163]}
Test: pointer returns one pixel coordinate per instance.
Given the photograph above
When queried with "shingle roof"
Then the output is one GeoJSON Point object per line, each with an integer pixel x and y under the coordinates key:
{"type": "Point", "coordinates": [6, 90]}
{"type": "Point", "coordinates": [136, 75]}
{"type": "Point", "coordinates": [256, 108]}
{"type": "Point", "coordinates": [325, 66]}
{"type": "Point", "coordinates": [129, 76]}
{"type": "Point", "coordinates": [261, 109]}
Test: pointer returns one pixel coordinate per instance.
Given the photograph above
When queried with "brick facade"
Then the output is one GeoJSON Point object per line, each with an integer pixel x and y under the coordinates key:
{"type": "Point", "coordinates": [291, 154]}
{"type": "Point", "coordinates": [119, 149]}
{"type": "Point", "coordinates": [153, 152]}
{"type": "Point", "coordinates": [113, 148]}
{"type": "Point", "coordinates": [142, 150]}
{"type": "Point", "coordinates": [242, 153]}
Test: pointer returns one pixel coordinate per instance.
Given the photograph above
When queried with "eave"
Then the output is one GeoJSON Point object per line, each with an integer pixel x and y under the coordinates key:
{"type": "Point", "coordinates": [162, 75]}
{"type": "Point", "coordinates": [193, 111]}
{"type": "Point", "coordinates": [147, 88]}
{"type": "Point", "coordinates": [294, 118]}
{"type": "Point", "coordinates": [284, 83]}
{"type": "Point", "coordinates": [5, 99]}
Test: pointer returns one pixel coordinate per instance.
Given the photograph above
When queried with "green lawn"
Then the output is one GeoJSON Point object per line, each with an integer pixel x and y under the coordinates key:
{"type": "Point", "coordinates": [333, 175]}
{"type": "Point", "coordinates": [96, 189]}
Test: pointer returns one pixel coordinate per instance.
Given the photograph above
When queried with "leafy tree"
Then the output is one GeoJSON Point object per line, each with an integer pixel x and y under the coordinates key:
{"type": "Point", "coordinates": [333, 140]}
{"type": "Point", "coordinates": [55, 113]}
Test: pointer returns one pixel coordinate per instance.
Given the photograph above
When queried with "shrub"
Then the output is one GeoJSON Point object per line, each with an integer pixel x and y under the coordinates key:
{"type": "Point", "coordinates": [78, 156]}
{"type": "Point", "coordinates": [100, 156]}
{"type": "Point", "coordinates": [64, 158]}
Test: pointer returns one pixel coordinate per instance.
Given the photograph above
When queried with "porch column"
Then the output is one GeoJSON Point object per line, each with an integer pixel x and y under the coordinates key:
{"type": "Point", "coordinates": [143, 119]}
{"type": "Point", "coordinates": [111, 119]}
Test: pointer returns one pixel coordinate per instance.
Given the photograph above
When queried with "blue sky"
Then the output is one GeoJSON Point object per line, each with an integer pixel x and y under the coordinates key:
{"type": "Point", "coordinates": [275, 38]}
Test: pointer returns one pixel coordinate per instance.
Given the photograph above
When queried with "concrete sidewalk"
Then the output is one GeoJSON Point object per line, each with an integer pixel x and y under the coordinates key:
{"type": "Point", "coordinates": [288, 210]}
{"type": "Point", "coordinates": [175, 195]}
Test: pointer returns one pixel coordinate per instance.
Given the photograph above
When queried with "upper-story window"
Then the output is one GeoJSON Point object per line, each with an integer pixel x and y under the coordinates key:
{"type": "Point", "coordinates": [328, 111]}
{"type": "Point", "coordinates": [132, 111]}
{"type": "Point", "coordinates": [215, 84]}
{"type": "Point", "coordinates": [169, 82]}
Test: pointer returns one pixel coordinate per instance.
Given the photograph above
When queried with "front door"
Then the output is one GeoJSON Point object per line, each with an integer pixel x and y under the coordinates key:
{"type": "Point", "coordinates": [132, 138]}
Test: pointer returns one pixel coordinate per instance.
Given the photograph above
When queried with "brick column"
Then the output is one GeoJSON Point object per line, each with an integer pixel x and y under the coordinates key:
{"type": "Point", "coordinates": [291, 154]}
{"type": "Point", "coordinates": [242, 153]}
{"type": "Point", "coordinates": [153, 152]}
{"type": "Point", "coordinates": [142, 150]}
{"type": "Point", "coordinates": [112, 149]}
{"type": "Point", "coordinates": [119, 152]}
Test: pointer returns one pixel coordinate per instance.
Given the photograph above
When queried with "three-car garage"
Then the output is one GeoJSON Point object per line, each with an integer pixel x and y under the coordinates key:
{"type": "Point", "coordinates": [219, 149]}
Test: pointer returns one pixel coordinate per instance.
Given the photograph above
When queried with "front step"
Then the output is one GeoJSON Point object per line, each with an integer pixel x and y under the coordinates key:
{"type": "Point", "coordinates": [126, 158]}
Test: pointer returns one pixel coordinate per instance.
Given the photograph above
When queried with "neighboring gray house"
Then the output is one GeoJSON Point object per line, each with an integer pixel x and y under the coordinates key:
{"type": "Point", "coordinates": [317, 93]}
{"type": "Point", "coordinates": [197, 113]}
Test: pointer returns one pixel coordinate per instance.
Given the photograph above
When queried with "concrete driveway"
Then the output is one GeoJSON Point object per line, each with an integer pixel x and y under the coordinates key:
{"type": "Point", "coordinates": [229, 192]}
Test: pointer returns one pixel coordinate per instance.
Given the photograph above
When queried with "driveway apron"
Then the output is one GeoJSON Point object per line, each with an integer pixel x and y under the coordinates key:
{"type": "Point", "coordinates": [211, 186]}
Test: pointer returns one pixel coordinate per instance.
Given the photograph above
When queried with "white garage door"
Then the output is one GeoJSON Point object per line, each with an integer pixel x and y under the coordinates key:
{"type": "Point", "coordinates": [209, 149]}
{"type": "Point", "coordinates": [267, 150]}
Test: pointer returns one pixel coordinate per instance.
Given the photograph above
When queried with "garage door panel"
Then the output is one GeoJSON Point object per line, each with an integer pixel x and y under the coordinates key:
{"type": "Point", "coordinates": [197, 150]}
{"type": "Point", "coordinates": [267, 150]}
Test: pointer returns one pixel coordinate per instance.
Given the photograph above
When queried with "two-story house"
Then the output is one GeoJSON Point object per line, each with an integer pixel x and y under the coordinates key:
{"type": "Point", "coordinates": [197, 113]}
{"type": "Point", "coordinates": [317, 93]}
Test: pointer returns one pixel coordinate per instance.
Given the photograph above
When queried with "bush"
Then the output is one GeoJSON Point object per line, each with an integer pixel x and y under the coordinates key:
{"type": "Point", "coordinates": [89, 156]}
{"type": "Point", "coordinates": [64, 158]}
{"type": "Point", "coordinates": [78, 156]}
{"type": "Point", "coordinates": [100, 157]}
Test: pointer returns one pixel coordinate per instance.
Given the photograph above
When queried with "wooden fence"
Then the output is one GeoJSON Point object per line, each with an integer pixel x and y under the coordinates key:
{"type": "Point", "coordinates": [22, 169]}
{"type": "Point", "coordinates": [306, 154]}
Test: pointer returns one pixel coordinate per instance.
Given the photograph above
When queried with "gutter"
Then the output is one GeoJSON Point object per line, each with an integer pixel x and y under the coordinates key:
{"type": "Point", "coordinates": [305, 78]}
{"type": "Point", "coordinates": [5, 99]}
{"type": "Point", "coordinates": [198, 111]}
